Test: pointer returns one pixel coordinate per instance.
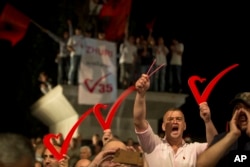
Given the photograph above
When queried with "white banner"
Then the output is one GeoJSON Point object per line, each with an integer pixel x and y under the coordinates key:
{"type": "Point", "coordinates": [98, 73]}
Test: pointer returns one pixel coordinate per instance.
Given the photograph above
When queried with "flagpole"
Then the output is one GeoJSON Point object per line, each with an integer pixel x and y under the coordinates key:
{"type": "Point", "coordinates": [126, 27]}
{"type": "Point", "coordinates": [36, 24]}
{"type": "Point", "coordinates": [127, 23]}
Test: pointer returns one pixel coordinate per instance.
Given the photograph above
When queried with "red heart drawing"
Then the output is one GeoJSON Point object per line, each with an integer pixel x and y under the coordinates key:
{"type": "Point", "coordinates": [64, 149]}
{"type": "Point", "coordinates": [202, 98]}
{"type": "Point", "coordinates": [106, 124]}
{"type": "Point", "coordinates": [98, 115]}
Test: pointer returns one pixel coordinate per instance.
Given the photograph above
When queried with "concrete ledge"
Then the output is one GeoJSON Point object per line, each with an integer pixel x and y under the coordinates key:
{"type": "Point", "coordinates": [157, 102]}
{"type": "Point", "coordinates": [59, 109]}
{"type": "Point", "coordinates": [122, 125]}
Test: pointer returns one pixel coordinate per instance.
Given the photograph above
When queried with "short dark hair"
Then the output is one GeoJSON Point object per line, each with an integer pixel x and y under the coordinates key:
{"type": "Point", "coordinates": [174, 109]}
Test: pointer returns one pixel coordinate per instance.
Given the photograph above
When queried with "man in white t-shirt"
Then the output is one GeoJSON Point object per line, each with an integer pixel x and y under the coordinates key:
{"type": "Point", "coordinates": [175, 65]}
{"type": "Point", "coordinates": [75, 45]}
{"type": "Point", "coordinates": [160, 52]}
{"type": "Point", "coordinates": [128, 53]}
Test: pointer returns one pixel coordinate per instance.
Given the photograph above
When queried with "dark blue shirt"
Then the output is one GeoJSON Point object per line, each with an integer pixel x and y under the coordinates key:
{"type": "Point", "coordinates": [238, 154]}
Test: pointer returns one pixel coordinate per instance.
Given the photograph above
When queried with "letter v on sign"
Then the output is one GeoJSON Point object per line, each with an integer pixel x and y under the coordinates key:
{"type": "Point", "coordinates": [202, 98]}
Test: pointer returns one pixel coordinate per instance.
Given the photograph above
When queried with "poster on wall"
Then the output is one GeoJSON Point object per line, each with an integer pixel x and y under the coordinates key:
{"type": "Point", "coordinates": [98, 73]}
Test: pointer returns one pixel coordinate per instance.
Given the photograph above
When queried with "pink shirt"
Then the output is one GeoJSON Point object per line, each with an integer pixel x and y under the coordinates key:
{"type": "Point", "coordinates": [159, 153]}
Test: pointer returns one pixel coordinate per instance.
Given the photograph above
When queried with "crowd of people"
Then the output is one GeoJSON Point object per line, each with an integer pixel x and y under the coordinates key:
{"type": "Point", "coordinates": [135, 54]}
{"type": "Point", "coordinates": [153, 150]}
{"type": "Point", "coordinates": [172, 149]}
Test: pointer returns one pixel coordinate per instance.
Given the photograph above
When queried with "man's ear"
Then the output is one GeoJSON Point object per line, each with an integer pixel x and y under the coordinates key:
{"type": "Point", "coordinates": [185, 126]}
{"type": "Point", "coordinates": [163, 127]}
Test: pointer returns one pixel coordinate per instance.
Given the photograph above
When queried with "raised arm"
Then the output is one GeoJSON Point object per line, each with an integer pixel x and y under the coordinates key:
{"type": "Point", "coordinates": [70, 45]}
{"type": "Point", "coordinates": [217, 150]}
{"type": "Point", "coordinates": [139, 113]}
{"type": "Point", "coordinates": [70, 27]}
{"type": "Point", "coordinates": [205, 114]}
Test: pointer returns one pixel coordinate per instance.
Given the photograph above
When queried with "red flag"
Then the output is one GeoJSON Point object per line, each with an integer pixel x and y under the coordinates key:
{"type": "Point", "coordinates": [107, 9]}
{"type": "Point", "coordinates": [13, 24]}
{"type": "Point", "coordinates": [118, 12]}
{"type": "Point", "coordinates": [150, 25]}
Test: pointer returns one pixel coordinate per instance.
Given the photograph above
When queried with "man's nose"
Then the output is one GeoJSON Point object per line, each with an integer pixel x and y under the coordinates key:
{"type": "Point", "coordinates": [174, 120]}
{"type": "Point", "coordinates": [47, 159]}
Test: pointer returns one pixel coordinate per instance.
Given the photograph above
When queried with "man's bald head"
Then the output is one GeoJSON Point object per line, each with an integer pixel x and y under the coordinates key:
{"type": "Point", "coordinates": [83, 163]}
{"type": "Point", "coordinates": [114, 144]}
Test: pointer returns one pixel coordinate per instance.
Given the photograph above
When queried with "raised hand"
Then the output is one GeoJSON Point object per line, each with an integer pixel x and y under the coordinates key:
{"type": "Point", "coordinates": [233, 124]}
{"type": "Point", "coordinates": [107, 135]}
{"type": "Point", "coordinates": [205, 111]}
{"type": "Point", "coordinates": [64, 162]}
{"type": "Point", "coordinates": [100, 156]}
{"type": "Point", "coordinates": [247, 113]}
{"type": "Point", "coordinates": [142, 84]}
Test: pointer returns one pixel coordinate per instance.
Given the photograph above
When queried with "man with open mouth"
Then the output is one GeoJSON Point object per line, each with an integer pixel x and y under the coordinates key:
{"type": "Point", "coordinates": [172, 150]}
{"type": "Point", "coordinates": [231, 148]}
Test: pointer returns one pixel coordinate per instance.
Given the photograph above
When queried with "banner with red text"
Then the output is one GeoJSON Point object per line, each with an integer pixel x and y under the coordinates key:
{"type": "Point", "coordinates": [98, 73]}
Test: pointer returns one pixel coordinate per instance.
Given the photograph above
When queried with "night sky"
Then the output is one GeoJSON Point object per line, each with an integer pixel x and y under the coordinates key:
{"type": "Point", "coordinates": [215, 37]}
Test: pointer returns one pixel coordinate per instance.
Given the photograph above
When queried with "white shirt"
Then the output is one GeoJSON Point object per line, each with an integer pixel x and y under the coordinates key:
{"type": "Point", "coordinates": [77, 42]}
{"type": "Point", "coordinates": [127, 53]}
{"type": "Point", "coordinates": [177, 57]}
{"type": "Point", "coordinates": [160, 56]}
{"type": "Point", "coordinates": [162, 154]}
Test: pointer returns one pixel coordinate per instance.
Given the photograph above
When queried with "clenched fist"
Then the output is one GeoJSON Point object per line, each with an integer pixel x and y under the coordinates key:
{"type": "Point", "coordinates": [142, 84]}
